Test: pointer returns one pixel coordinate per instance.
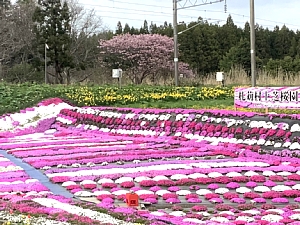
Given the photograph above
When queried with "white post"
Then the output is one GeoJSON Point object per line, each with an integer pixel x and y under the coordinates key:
{"type": "Point", "coordinates": [46, 47]}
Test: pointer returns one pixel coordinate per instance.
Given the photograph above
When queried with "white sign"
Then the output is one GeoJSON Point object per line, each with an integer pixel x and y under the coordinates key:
{"type": "Point", "coordinates": [116, 73]}
{"type": "Point", "coordinates": [220, 76]}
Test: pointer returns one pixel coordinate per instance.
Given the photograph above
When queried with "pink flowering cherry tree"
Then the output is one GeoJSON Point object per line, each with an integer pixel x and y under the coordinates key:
{"type": "Point", "coordinates": [141, 55]}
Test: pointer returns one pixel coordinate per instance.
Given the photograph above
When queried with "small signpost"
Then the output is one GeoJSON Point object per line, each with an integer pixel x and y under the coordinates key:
{"type": "Point", "coordinates": [117, 73]}
{"type": "Point", "coordinates": [220, 77]}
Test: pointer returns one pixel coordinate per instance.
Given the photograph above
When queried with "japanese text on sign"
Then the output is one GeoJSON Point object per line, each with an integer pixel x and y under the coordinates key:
{"type": "Point", "coordinates": [267, 97]}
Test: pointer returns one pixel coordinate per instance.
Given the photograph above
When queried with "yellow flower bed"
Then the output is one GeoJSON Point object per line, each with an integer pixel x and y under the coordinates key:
{"type": "Point", "coordinates": [93, 96]}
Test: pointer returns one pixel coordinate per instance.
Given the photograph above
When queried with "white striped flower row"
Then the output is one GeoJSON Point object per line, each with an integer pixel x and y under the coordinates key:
{"type": "Point", "coordinates": [201, 192]}
{"type": "Point", "coordinates": [28, 181]}
{"type": "Point", "coordinates": [185, 117]}
{"type": "Point", "coordinates": [9, 169]}
{"type": "Point", "coordinates": [212, 140]}
{"type": "Point", "coordinates": [98, 172]}
{"type": "Point", "coordinates": [21, 219]}
{"type": "Point", "coordinates": [177, 177]}
{"type": "Point", "coordinates": [274, 216]}
{"type": "Point", "coordinates": [102, 217]}
{"type": "Point", "coordinates": [31, 118]}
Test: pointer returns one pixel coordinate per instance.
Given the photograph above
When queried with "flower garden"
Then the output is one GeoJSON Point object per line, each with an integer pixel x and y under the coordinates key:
{"type": "Point", "coordinates": [185, 166]}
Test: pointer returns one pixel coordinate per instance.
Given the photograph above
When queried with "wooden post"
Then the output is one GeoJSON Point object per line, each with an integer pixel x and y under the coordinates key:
{"type": "Point", "coordinates": [267, 110]}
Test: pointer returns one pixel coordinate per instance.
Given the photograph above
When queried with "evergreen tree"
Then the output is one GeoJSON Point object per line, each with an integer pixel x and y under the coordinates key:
{"type": "Point", "coordinates": [126, 29]}
{"type": "Point", "coordinates": [119, 28]}
{"type": "Point", "coordinates": [52, 18]}
{"type": "Point", "coordinates": [144, 29]}
{"type": "Point", "coordinates": [153, 28]}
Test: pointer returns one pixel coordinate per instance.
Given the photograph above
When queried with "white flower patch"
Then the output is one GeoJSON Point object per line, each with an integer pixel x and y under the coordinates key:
{"type": "Point", "coordinates": [160, 177]}
{"type": "Point", "coordinates": [294, 146]}
{"type": "Point", "coordinates": [197, 175]}
{"type": "Point", "coordinates": [219, 219]}
{"type": "Point", "coordinates": [9, 168]}
{"type": "Point", "coordinates": [281, 188]}
{"type": "Point", "coordinates": [221, 191]}
{"type": "Point", "coordinates": [227, 212]}
{"type": "Point", "coordinates": [177, 213]}
{"type": "Point", "coordinates": [83, 194]}
{"type": "Point", "coordinates": [193, 220]}
{"type": "Point", "coordinates": [286, 144]}
{"type": "Point", "coordinates": [268, 173]}
{"type": "Point", "coordinates": [296, 187]}
{"type": "Point", "coordinates": [31, 181]}
{"type": "Point", "coordinates": [262, 189]}
{"type": "Point", "coordinates": [123, 179]}
{"type": "Point", "coordinates": [120, 192]}
{"type": "Point", "coordinates": [272, 218]}
{"type": "Point", "coordinates": [97, 193]}
{"type": "Point", "coordinates": [250, 173]}
{"type": "Point", "coordinates": [105, 218]}
{"type": "Point", "coordinates": [203, 192]}
{"type": "Point", "coordinates": [214, 174]}
{"type": "Point", "coordinates": [144, 192]}
{"type": "Point", "coordinates": [295, 128]}
{"type": "Point", "coordinates": [156, 213]}
{"type": "Point", "coordinates": [242, 190]}
{"type": "Point", "coordinates": [246, 218]}
{"type": "Point", "coordinates": [142, 178]}
{"type": "Point", "coordinates": [252, 211]}
{"type": "Point", "coordinates": [162, 192]}
{"type": "Point", "coordinates": [183, 192]}
{"type": "Point", "coordinates": [84, 182]}
{"type": "Point", "coordinates": [19, 219]}
{"type": "Point", "coordinates": [284, 173]}
{"type": "Point", "coordinates": [68, 183]}
{"type": "Point", "coordinates": [105, 180]}
{"type": "Point", "coordinates": [279, 211]}
{"type": "Point", "coordinates": [178, 176]}
{"type": "Point", "coordinates": [233, 174]}
{"type": "Point", "coordinates": [206, 214]}
{"type": "Point", "coordinates": [295, 216]}
{"type": "Point", "coordinates": [29, 118]}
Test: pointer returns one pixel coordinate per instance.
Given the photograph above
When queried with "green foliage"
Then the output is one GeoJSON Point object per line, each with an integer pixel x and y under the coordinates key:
{"type": "Point", "coordinates": [25, 72]}
{"type": "Point", "coordinates": [209, 47]}
{"type": "Point", "coordinates": [53, 28]}
{"type": "Point", "coordinates": [16, 97]}
{"type": "Point", "coordinates": [237, 55]}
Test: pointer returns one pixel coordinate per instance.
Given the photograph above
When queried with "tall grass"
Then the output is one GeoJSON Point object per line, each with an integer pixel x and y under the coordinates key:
{"type": "Point", "coordinates": [235, 77]}
{"type": "Point", "coordinates": [238, 77]}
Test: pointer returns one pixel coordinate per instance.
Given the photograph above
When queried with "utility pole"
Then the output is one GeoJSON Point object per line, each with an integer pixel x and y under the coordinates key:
{"type": "Point", "coordinates": [46, 47]}
{"type": "Point", "coordinates": [252, 43]}
{"type": "Point", "coordinates": [175, 9]}
{"type": "Point", "coordinates": [175, 42]}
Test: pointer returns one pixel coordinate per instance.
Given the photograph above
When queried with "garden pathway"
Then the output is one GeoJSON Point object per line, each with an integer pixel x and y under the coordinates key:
{"type": "Point", "coordinates": [36, 174]}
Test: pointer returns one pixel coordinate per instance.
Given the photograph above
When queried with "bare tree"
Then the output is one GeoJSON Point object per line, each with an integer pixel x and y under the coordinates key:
{"type": "Point", "coordinates": [16, 35]}
{"type": "Point", "coordinates": [86, 25]}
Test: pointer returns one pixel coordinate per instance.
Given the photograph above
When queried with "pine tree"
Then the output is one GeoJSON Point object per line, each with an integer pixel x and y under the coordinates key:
{"type": "Point", "coordinates": [53, 28]}
{"type": "Point", "coordinates": [119, 28]}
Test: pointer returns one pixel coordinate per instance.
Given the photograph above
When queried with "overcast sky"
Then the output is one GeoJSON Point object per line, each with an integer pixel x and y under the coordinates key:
{"type": "Point", "coordinates": [268, 13]}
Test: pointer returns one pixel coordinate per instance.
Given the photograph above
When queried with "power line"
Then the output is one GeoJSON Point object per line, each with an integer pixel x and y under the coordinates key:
{"type": "Point", "coordinates": [166, 7]}
{"type": "Point", "coordinates": [175, 32]}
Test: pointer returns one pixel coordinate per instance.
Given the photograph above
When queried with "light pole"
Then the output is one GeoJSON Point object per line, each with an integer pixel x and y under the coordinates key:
{"type": "Point", "coordinates": [46, 47]}
{"type": "Point", "coordinates": [175, 42]}
{"type": "Point", "coordinates": [252, 44]}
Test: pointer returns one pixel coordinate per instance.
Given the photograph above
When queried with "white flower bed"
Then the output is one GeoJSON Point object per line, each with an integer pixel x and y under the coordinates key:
{"type": "Point", "coordinates": [105, 218]}
{"type": "Point", "coordinates": [31, 118]}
